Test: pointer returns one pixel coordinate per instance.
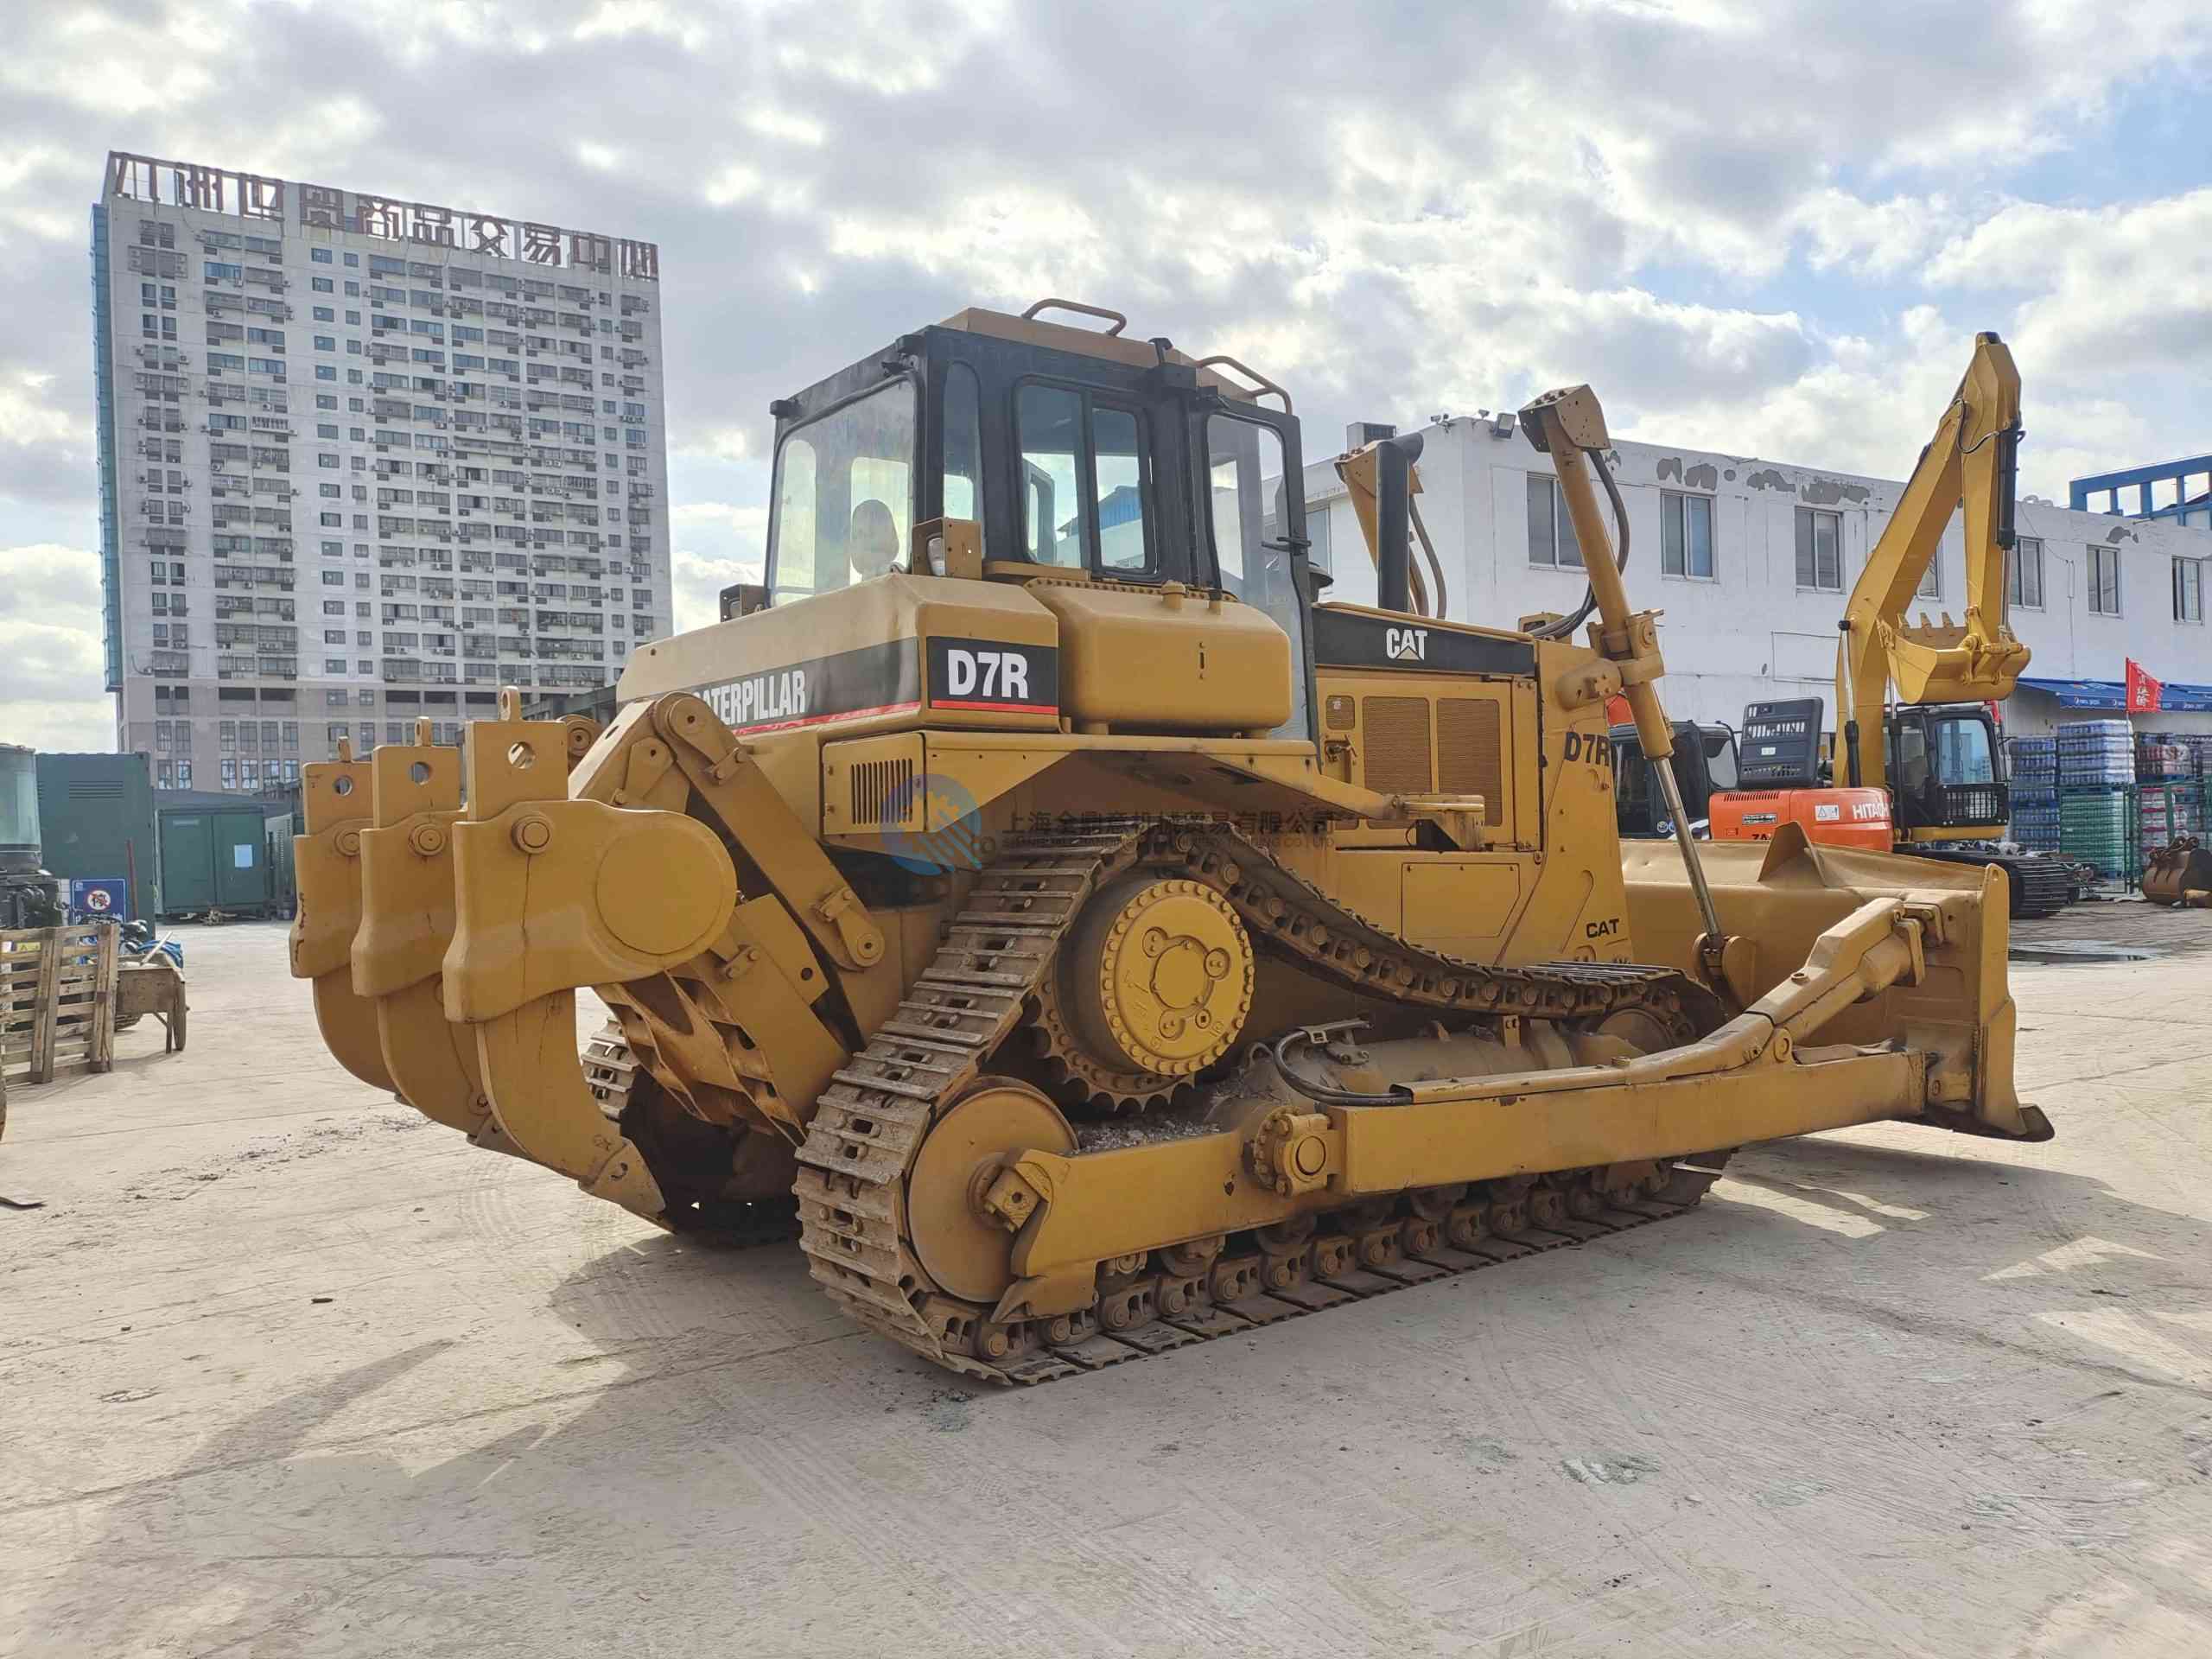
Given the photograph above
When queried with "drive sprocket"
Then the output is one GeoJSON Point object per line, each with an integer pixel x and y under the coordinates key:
{"type": "Point", "coordinates": [1152, 987]}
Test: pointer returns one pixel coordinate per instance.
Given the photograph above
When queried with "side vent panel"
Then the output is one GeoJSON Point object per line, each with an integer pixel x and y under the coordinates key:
{"type": "Point", "coordinates": [1397, 746]}
{"type": "Point", "coordinates": [1471, 752]}
{"type": "Point", "coordinates": [881, 787]}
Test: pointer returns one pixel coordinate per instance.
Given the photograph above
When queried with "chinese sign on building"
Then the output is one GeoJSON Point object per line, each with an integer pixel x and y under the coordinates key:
{"type": "Point", "coordinates": [249, 195]}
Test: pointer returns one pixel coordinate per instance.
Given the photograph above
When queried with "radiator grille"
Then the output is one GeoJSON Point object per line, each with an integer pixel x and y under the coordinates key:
{"type": "Point", "coordinates": [1470, 753]}
{"type": "Point", "coordinates": [883, 790]}
{"type": "Point", "coordinates": [1397, 744]}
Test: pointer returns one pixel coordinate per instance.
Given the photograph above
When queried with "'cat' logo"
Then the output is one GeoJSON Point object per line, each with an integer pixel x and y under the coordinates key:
{"type": "Point", "coordinates": [1406, 644]}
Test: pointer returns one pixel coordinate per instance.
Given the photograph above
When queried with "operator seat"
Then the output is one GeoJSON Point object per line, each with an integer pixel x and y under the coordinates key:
{"type": "Point", "coordinates": [872, 542]}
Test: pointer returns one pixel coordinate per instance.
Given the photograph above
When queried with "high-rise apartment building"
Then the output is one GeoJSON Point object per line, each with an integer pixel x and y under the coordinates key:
{"type": "Point", "coordinates": [362, 461]}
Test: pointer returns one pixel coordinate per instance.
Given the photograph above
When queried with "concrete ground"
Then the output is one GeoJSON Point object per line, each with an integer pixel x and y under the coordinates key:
{"type": "Point", "coordinates": [288, 1371]}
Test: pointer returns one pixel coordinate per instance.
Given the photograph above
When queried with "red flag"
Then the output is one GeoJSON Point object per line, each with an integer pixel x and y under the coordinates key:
{"type": "Point", "coordinates": [2143, 691]}
{"type": "Point", "coordinates": [1617, 712]}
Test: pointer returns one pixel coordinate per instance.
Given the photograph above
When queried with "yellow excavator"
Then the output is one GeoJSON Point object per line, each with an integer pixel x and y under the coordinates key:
{"type": "Point", "coordinates": [1086, 940]}
{"type": "Point", "coordinates": [1915, 753]}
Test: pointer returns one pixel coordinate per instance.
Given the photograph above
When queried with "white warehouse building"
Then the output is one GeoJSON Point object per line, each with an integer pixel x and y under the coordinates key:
{"type": "Point", "coordinates": [1750, 561]}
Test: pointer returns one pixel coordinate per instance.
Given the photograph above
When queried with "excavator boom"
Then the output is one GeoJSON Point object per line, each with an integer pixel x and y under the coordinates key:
{"type": "Point", "coordinates": [1971, 462]}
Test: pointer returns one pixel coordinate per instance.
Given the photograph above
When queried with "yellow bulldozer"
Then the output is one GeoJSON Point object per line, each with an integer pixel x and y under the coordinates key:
{"type": "Point", "coordinates": [1082, 936]}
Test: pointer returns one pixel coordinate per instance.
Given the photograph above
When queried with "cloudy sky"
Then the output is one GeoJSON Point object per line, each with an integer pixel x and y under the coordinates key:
{"type": "Point", "coordinates": [1758, 227]}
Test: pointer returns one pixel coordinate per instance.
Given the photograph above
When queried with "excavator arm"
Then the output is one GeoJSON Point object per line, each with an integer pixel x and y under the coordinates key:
{"type": "Point", "coordinates": [1972, 461]}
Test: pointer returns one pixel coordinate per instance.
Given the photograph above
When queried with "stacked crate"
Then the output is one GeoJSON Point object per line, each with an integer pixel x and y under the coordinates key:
{"type": "Point", "coordinates": [57, 1000]}
{"type": "Point", "coordinates": [2035, 793]}
{"type": "Point", "coordinates": [2170, 766]}
{"type": "Point", "coordinates": [2096, 797]}
{"type": "Point", "coordinates": [2161, 757]}
{"type": "Point", "coordinates": [2095, 752]}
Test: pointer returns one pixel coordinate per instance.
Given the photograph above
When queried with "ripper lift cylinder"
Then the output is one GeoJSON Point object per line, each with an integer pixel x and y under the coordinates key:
{"type": "Point", "coordinates": [1394, 463]}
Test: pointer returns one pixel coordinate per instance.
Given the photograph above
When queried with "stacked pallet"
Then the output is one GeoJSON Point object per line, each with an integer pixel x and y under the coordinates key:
{"type": "Point", "coordinates": [2096, 790]}
{"type": "Point", "coordinates": [2035, 793]}
{"type": "Point", "coordinates": [57, 1000]}
{"type": "Point", "coordinates": [2095, 752]}
{"type": "Point", "coordinates": [2161, 757]}
{"type": "Point", "coordinates": [2167, 811]}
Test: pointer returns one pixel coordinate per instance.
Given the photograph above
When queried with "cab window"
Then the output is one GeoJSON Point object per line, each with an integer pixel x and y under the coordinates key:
{"type": "Point", "coordinates": [1244, 470]}
{"type": "Point", "coordinates": [963, 445]}
{"type": "Point", "coordinates": [1720, 759]}
{"type": "Point", "coordinates": [844, 496]}
{"type": "Point", "coordinates": [1963, 753]}
{"type": "Point", "coordinates": [1912, 756]}
{"type": "Point", "coordinates": [1086, 479]}
{"type": "Point", "coordinates": [1251, 536]}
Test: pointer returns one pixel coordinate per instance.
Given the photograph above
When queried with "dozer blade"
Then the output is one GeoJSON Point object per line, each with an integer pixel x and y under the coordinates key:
{"type": "Point", "coordinates": [1779, 897]}
{"type": "Point", "coordinates": [407, 919]}
{"type": "Point", "coordinates": [551, 894]}
{"type": "Point", "coordinates": [335, 807]}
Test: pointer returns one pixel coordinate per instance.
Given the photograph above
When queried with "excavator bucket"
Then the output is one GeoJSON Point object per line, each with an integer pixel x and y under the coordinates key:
{"type": "Point", "coordinates": [1946, 662]}
{"type": "Point", "coordinates": [335, 800]}
{"type": "Point", "coordinates": [2179, 874]}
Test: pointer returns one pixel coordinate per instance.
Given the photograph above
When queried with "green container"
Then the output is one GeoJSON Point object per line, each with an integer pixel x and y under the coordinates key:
{"type": "Point", "coordinates": [214, 858]}
{"type": "Point", "coordinates": [96, 812]}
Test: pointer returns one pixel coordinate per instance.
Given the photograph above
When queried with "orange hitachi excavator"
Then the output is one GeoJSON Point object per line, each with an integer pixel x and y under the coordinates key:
{"type": "Point", "coordinates": [1915, 761]}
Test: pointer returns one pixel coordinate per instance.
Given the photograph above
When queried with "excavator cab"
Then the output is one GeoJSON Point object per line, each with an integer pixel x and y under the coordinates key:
{"type": "Point", "coordinates": [1947, 772]}
{"type": "Point", "coordinates": [1705, 765]}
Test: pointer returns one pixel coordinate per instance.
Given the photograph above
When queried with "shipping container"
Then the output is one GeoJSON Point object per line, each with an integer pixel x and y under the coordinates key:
{"type": "Point", "coordinates": [213, 858]}
{"type": "Point", "coordinates": [96, 818]}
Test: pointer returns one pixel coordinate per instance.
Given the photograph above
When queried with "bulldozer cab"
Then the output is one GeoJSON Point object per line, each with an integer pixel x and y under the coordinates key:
{"type": "Point", "coordinates": [1075, 452]}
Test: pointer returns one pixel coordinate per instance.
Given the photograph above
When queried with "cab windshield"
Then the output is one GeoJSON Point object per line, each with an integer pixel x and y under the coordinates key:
{"type": "Point", "coordinates": [844, 496]}
{"type": "Point", "coordinates": [1963, 754]}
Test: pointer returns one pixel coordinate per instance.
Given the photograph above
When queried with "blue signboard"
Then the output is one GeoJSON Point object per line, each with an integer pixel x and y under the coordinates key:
{"type": "Point", "coordinates": [102, 898]}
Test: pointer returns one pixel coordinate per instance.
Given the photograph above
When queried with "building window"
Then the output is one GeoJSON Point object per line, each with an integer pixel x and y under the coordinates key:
{"type": "Point", "coordinates": [1819, 550]}
{"type": "Point", "coordinates": [2024, 575]}
{"type": "Point", "coordinates": [1317, 536]}
{"type": "Point", "coordinates": [1931, 583]}
{"type": "Point", "coordinates": [2104, 581]}
{"type": "Point", "coordinates": [1551, 537]}
{"type": "Point", "coordinates": [1685, 534]}
{"type": "Point", "coordinates": [321, 256]}
{"type": "Point", "coordinates": [2189, 590]}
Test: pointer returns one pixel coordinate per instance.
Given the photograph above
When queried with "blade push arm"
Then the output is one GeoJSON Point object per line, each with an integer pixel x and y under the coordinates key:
{"type": "Point", "coordinates": [1971, 462]}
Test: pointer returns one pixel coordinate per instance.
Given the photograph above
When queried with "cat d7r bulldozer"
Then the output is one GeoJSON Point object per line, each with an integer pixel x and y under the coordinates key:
{"type": "Point", "coordinates": [1085, 941]}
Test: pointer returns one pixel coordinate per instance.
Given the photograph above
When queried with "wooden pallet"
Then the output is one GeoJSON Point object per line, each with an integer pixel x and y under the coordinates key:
{"type": "Point", "coordinates": [57, 1000]}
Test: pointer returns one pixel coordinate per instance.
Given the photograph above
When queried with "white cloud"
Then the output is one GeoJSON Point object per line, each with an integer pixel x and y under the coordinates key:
{"type": "Point", "coordinates": [1757, 227]}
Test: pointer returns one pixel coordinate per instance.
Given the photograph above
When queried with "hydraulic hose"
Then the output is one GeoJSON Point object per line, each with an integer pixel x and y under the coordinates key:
{"type": "Point", "coordinates": [1567, 625]}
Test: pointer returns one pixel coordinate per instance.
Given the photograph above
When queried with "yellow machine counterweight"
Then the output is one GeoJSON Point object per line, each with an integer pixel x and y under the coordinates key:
{"type": "Point", "coordinates": [1085, 940]}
